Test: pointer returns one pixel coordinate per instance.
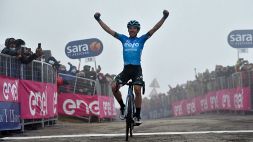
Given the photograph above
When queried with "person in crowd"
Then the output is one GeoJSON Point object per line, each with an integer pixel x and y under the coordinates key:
{"type": "Point", "coordinates": [62, 69]}
{"type": "Point", "coordinates": [24, 54]}
{"type": "Point", "coordinates": [10, 47]}
{"type": "Point", "coordinates": [88, 72]}
{"type": "Point", "coordinates": [56, 64]}
{"type": "Point", "coordinates": [72, 69]}
{"type": "Point", "coordinates": [98, 69]}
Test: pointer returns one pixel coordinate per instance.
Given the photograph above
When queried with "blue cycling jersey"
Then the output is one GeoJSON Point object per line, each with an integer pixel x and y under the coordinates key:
{"type": "Point", "coordinates": [132, 48]}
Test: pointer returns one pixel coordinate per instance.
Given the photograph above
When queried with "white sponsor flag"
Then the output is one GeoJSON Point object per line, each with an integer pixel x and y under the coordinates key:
{"type": "Point", "coordinates": [242, 50]}
{"type": "Point", "coordinates": [90, 59]}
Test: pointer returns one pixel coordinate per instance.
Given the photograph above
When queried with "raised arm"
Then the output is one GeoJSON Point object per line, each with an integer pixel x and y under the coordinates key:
{"type": "Point", "coordinates": [159, 24]}
{"type": "Point", "coordinates": [103, 25]}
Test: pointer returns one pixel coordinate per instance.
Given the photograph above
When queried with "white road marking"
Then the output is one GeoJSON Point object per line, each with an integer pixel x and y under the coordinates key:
{"type": "Point", "coordinates": [115, 135]}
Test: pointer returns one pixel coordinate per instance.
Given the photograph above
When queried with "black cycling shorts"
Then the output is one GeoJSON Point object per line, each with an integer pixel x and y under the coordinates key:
{"type": "Point", "coordinates": [133, 72]}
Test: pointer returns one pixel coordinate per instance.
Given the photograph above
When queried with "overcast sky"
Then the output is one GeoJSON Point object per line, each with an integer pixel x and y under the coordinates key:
{"type": "Point", "coordinates": [193, 36]}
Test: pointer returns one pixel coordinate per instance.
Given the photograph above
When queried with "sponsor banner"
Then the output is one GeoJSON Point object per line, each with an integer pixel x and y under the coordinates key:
{"type": "Point", "coordinates": [9, 89]}
{"type": "Point", "coordinates": [9, 116]}
{"type": "Point", "coordinates": [228, 99]}
{"type": "Point", "coordinates": [106, 107]}
{"type": "Point", "coordinates": [84, 48]}
{"type": "Point", "coordinates": [241, 39]}
{"type": "Point", "coordinates": [85, 105]}
{"type": "Point", "coordinates": [38, 100]}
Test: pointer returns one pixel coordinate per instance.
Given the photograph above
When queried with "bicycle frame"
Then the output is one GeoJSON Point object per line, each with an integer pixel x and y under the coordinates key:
{"type": "Point", "coordinates": [130, 108]}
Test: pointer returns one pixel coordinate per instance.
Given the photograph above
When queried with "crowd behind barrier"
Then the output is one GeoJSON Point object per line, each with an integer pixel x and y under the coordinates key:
{"type": "Point", "coordinates": [229, 87]}
{"type": "Point", "coordinates": [35, 71]}
{"type": "Point", "coordinates": [226, 100]}
{"type": "Point", "coordinates": [35, 85]}
{"type": "Point", "coordinates": [230, 80]}
{"type": "Point", "coordinates": [221, 78]}
{"type": "Point", "coordinates": [17, 48]}
{"type": "Point", "coordinates": [29, 93]}
{"type": "Point", "coordinates": [77, 85]}
{"type": "Point", "coordinates": [86, 94]}
{"type": "Point", "coordinates": [157, 106]}
{"type": "Point", "coordinates": [86, 82]}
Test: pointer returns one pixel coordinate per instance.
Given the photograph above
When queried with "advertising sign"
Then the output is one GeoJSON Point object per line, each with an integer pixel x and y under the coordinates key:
{"type": "Point", "coordinates": [227, 99]}
{"type": "Point", "coordinates": [84, 48]}
{"type": "Point", "coordinates": [9, 116]}
{"type": "Point", "coordinates": [241, 39]}
{"type": "Point", "coordinates": [39, 99]}
{"type": "Point", "coordinates": [9, 89]}
{"type": "Point", "coordinates": [85, 105]}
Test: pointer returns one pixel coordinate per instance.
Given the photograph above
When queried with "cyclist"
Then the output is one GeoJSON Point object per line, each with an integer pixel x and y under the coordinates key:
{"type": "Point", "coordinates": [132, 49]}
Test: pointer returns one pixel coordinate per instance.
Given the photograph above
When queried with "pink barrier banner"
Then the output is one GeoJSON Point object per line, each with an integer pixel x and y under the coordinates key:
{"type": "Point", "coordinates": [9, 89]}
{"type": "Point", "coordinates": [37, 100]}
{"type": "Point", "coordinates": [228, 99]}
{"type": "Point", "coordinates": [85, 105]}
{"type": "Point", "coordinates": [106, 107]}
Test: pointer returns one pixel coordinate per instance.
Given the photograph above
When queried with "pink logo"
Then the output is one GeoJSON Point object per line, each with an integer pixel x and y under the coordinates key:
{"type": "Point", "coordinates": [38, 100]}
{"type": "Point", "coordinates": [191, 108]}
{"type": "Point", "coordinates": [238, 101]}
{"type": "Point", "coordinates": [178, 110]}
{"type": "Point", "coordinates": [10, 91]}
{"type": "Point", "coordinates": [226, 101]}
{"type": "Point", "coordinates": [70, 106]}
{"type": "Point", "coordinates": [203, 104]}
{"type": "Point", "coordinates": [214, 102]}
{"type": "Point", "coordinates": [55, 102]}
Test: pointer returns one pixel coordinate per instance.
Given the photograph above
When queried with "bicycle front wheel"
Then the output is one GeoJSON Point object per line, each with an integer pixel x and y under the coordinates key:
{"type": "Point", "coordinates": [129, 117]}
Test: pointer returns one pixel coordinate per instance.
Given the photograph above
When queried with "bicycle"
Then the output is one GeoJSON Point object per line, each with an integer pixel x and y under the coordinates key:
{"type": "Point", "coordinates": [130, 109]}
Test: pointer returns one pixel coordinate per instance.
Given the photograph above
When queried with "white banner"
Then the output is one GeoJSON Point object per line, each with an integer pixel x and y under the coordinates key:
{"type": "Point", "coordinates": [90, 59]}
{"type": "Point", "coordinates": [242, 50]}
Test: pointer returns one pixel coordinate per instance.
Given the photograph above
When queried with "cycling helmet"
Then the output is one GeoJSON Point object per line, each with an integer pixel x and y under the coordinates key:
{"type": "Point", "coordinates": [134, 23]}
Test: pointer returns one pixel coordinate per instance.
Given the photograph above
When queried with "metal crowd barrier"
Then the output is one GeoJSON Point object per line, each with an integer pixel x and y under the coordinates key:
{"type": "Point", "coordinates": [77, 85]}
{"type": "Point", "coordinates": [85, 86]}
{"type": "Point", "coordinates": [9, 66]}
{"type": "Point", "coordinates": [238, 79]}
{"type": "Point", "coordinates": [35, 71]}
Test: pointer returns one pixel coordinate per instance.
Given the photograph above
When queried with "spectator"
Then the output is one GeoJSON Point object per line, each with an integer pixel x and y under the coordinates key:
{"type": "Point", "coordinates": [98, 69]}
{"type": "Point", "coordinates": [25, 54]}
{"type": "Point", "coordinates": [89, 73]}
{"type": "Point", "coordinates": [72, 69]}
{"type": "Point", "coordinates": [10, 47]}
{"type": "Point", "coordinates": [62, 69]}
{"type": "Point", "coordinates": [56, 64]}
